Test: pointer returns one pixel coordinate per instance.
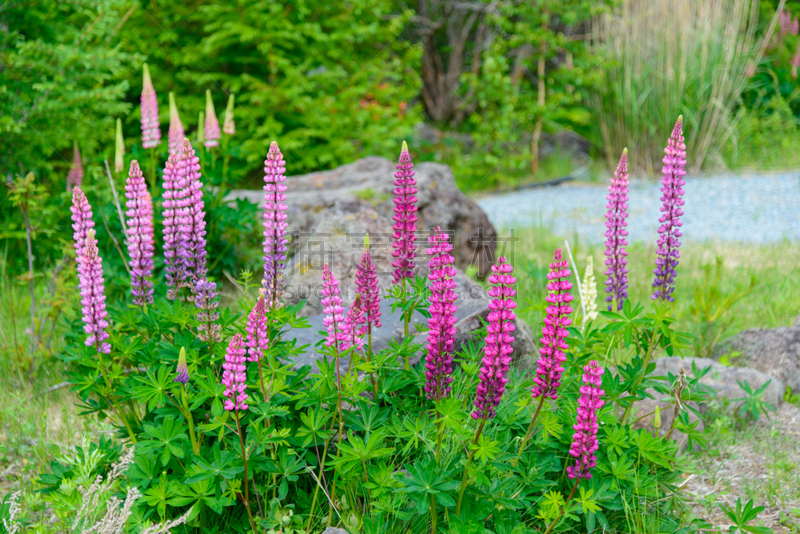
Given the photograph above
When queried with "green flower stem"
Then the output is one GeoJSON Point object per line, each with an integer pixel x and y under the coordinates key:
{"type": "Point", "coordinates": [319, 482]}
{"type": "Point", "coordinates": [153, 172]}
{"type": "Point", "coordinates": [369, 359]}
{"type": "Point", "coordinates": [405, 322]}
{"type": "Point", "coordinates": [466, 467]}
{"type": "Point", "coordinates": [641, 376]}
{"type": "Point", "coordinates": [246, 476]}
{"type": "Point", "coordinates": [433, 514]}
{"type": "Point", "coordinates": [261, 379]}
{"type": "Point", "coordinates": [113, 397]}
{"type": "Point", "coordinates": [530, 428]}
{"type": "Point", "coordinates": [190, 419]}
{"type": "Point", "coordinates": [566, 506]}
{"type": "Point", "coordinates": [440, 434]}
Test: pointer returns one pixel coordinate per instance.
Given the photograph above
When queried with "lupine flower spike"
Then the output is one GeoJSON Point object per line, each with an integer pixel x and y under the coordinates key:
{"type": "Point", "coordinates": [616, 235]}
{"type": "Point", "coordinates": [81, 219]}
{"type": "Point", "coordinates": [353, 325]}
{"type": "Point", "coordinates": [182, 369]}
{"type": "Point", "coordinates": [257, 341]}
{"type": "Point", "coordinates": [211, 124]}
{"type": "Point", "coordinates": [584, 441]}
{"type": "Point", "coordinates": [140, 242]}
{"type": "Point", "coordinates": [333, 310]}
{"type": "Point", "coordinates": [151, 132]}
{"type": "Point", "coordinates": [548, 375]}
{"type": "Point", "coordinates": [441, 325]}
{"type": "Point", "coordinates": [93, 300]}
{"type": "Point", "coordinates": [229, 126]}
{"type": "Point", "coordinates": [589, 292]}
{"type": "Point", "coordinates": [670, 231]}
{"type": "Point", "coordinates": [194, 219]}
{"type": "Point", "coordinates": [119, 149]}
{"type": "Point", "coordinates": [175, 126]}
{"type": "Point", "coordinates": [367, 289]}
{"type": "Point", "coordinates": [497, 350]}
{"type": "Point", "coordinates": [201, 131]}
{"type": "Point", "coordinates": [234, 375]}
{"type": "Point", "coordinates": [75, 175]}
{"type": "Point", "coordinates": [275, 242]}
{"type": "Point", "coordinates": [206, 302]}
{"type": "Point", "coordinates": [175, 239]}
{"type": "Point", "coordinates": [405, 218]}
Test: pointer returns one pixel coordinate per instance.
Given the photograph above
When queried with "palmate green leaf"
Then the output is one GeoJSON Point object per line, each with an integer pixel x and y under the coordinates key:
{"type": "Point", "coordinates": [586, 501]}
{"type": "Point", "coordinates": [144, 469]}
{"type": "Point", "coordinates": [314, 426]}
{"type": "Point", "coordinates": [451, 416]}
{"type": "Point", "coordinates": [223, 465]}
{"type": "Point", "coordinates": [154, 388]}
{"type": "Point", "coordinates": [191, 494]}
{"type": "Point", "coordinates": [486, 449]}
{"type": "Point", "coordinates": [169, 438]}
{"type": "Point", "coordinates": [157, 496]}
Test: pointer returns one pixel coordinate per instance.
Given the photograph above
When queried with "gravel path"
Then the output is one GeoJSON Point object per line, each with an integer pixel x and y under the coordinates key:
{"type": "Point", "coordinates": [752, 209]}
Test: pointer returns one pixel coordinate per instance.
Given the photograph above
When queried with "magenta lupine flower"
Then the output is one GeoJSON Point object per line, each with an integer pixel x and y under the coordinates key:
{"type": "Point", "coordinates": [205, 300]}
{"type": "Point", "coordinates": [441, 325]}
{"type": "Point", "coordinates": [333, 310]}
{"type": "Point", "coordinates": [672, 198]}
{"type": "Point", "coordinates": [151, 132]}
{"type": "Point", "coordinates": [405, 218]}
{"type": "Point", "coordinates": [353, 325]}
{"type": "Point", "coordinates": [616, 235]}
{"type": "Point", "coordinates": [75, 175]}
{"type": "Point", "coordinates": [257, 340]}
{"type": "Point", "coordinates": [584, 441]}
{"type": "Point", "coordinates": [211, 124]}
{"type": "Point", "coordinates": [548, 375]}
{"type": "Point", "coordinates": [93, 299]}
{"type": "Point", "coordinates": [234, 376]}
{"type": "Point", "coordinates": [229, 126]}
{"type": "Point", "coordinates": [81, 219]}
{"type": "Point", "coordinates": [497, 349]}
{"type": "Point", "coordinates": [182, 369]}
{"type": "Point", "coordinates": [194, 215]}
{"type": "Point", "coordinates": [367, 289]}
{"type": "Point", "coordinates": [175, 241]}
{"type": "Point", "coordinates": [140, 243]}
{"type": "Point", "coordinates": [275, 242]}
{"type": "Point", "coordinates": [176, 134]}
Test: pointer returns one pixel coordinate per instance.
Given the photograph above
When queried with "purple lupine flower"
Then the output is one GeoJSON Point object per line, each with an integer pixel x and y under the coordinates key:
{"type": "Point", "coordinates": [548, 374]}
{"type": "Point", "coordinates": [151, 132]}
{"type": "Point", "coordinates": [182, 369]}
{"type": "Point", "coordinates": [333, 310]}
{"type": "Point", "coordinates": [353, 325]}
{"type": "Point", "coordinates": [234, 376]}
{"type": "Point", "coordinates": [176, 134]}
{"type": "Point", "coordinates": [147, 219]}
{"type": "Point", "coordinates": [140, 244]}
{"type": "Point", "coordinates": [497, 349]}
{"type": "Point", "coordinates": [616, 235]}
{"type": "Point", "coordinates": [81, 219]}
{"type": "Point", "coordinates": [75, 175]}
{"type": "Point", "coordinates": [229, 126]}
{"type": "Point", "coordinates": [795, 29]}
{"type": "Point", "coordinates": [405, 218]}
{"type": "Point", "coordinates": [93, 299]}
{"type": "Point", "coordinates": [257, 340]}
{"type": "Point", "coordinates": [670, 230]}
{"type": "Point", "coordinates": [785, 20]}
{"type": "Point", "coordinates": [367, 289]}
{"type": "Point", "coordinates": [194, 215]}
{"type": "Point", "coordinates": [212, 124]}
{"type": "Point", "coordinates": [441, 325]}
{"type": "Point", "coordinates": [275, 242]}
{"type": "Point", "coordinates": [205, 300]}
{"type": "Point", "coordinates": [175, 240]}
{"type": "Point", "coordinates": [584, 441]}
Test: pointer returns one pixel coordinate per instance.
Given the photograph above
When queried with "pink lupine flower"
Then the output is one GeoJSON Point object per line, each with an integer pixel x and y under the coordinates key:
{"type": "Point", "coordinates": [140, 243]}
{"type": "Point", "coordinates": [584, 441]}
{"type": "Point", "coordinates": [193, 216]}
{"type": "Point", "coordinates": [405, 218]}
{"type": "Point", "coordinates": [367, 289]}
{"type": "Point", "coordinates": [257, 340]}
{"type": "Point", "coordinates": [670, 231]}
{"type": "Point", "coordinates": [212, 124]}
{"type": "Point", "coordinates": [353, 325]}
{"type": "Point", "coordinates": [497, 350]}
{"type": "Point", "coordinates": [206, 302]}
{"type": "Point", "coordinates": [234, 376]}
{"type": "Point", "coordinates": [333, 310]}
{"type": "Point", "coordinates": [795, 29]}
{"type": "Point", "coordinates": [796, 61]}
{"type": "Point", "coordinates": [229, 126]}
{"type": "Point", "coordinates": [175, 239]}
{"type": "Point", "coordinates": [93, 299]}
{"type": "Point", "coordinates": [81, 219]}
{"type": "Point", "coordinates": [616, 234]}
{"type": "Point", "coordinates": [151, 132]}
{"type": "Point", "coordinates": [182, 369]}
{"type": "Point", "coordinates": [548, 375]}
{"type": "Point", "coordinates": [75, 175]}
{"type": "Point", "coordinates": [147, 218]}
{"type": "Point", "coordinates": [785, 20]}
{"type": "Point", "coordinates": [176, 134]}
{"type": "Point", "coordinates": [441, 325]}
{"type": "Point", "coordinates": [275, 242]}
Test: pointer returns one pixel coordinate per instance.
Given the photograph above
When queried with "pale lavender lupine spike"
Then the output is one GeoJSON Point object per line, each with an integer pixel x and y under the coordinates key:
{"type": "Point", "coordinates": [234, 376]}
{"type": "Point", "coordinates": [176, 134]}
{"type": "Point", "coordinates": [275, 242]}
{"type": "Point", "coordinates": [497, 349]}
{"type": "Point", "coordinates": [75, 175]}
{"type": "Point", "coordinates": [175, 242]}
{"type": "Point", "coordinates": [584, 441]}
{"type": "Point", "coordinates": [151, 131]}
{"type": "Point", "coordinates": [81, 219]}
{"type": "Point", "coordinates": [441, 324]}
{"type": "Point", "coordinates": [206, 302]}
{"type": "Point", "coordinates": [616, 235]}
{"type": "Point", "coordinates": [93, 299]}
{"type": "Point", "coordinates": [229, 126]}
{"type": "Point", "coordinates": [405, 218]}
{"type": "Point", "coordinates": [140, 244]}
{"type": "Point", "coordinates": [257, 340]}
{"type": "Point", "coordinates": [670, 230]}
{"type": "Point", "coordinates": [194, 222]}
{"type": "Point", "coordinates": [211, 124]}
